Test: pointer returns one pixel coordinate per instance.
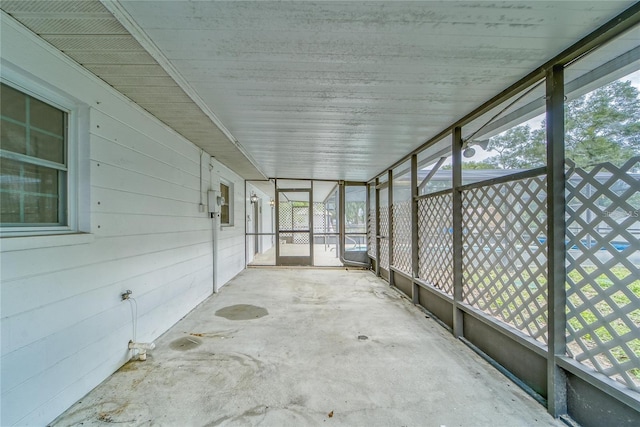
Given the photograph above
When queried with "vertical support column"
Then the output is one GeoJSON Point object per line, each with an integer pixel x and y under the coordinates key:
{"type": "Point", "coordinates": [342, 226]}
{"type": "Point", "coordinates": [311, 224]}
{"type": "Point", "coordinates": [377, 213]}
{"type": "Point", "coordinates": [246, 238]}
{"type": "Point", "coordinates": [277, 220]}
{"type": "Point", "coordinates": [368, 214]}
{"type": "Point", "coordinates": [556, 378]}
{"type": "Point", "coordinates": [390, 210]}
{"type": "Point", "coordinates": [456, 150]}
{"type": "Point", "coordinates": [415, 290]}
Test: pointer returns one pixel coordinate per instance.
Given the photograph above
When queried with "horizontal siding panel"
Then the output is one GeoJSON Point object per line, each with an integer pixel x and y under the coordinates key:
{"type": "Point", "coordinates": [115, 153]}
{"type": "Point", "coordinates": [111, 176]}
{"type": "Point", "coordinates": [117, 224]}
{"type": "Point", "coordinates": [117, 201]}
{"type": "Point", "coordinates": [67, 283]}
{"type": "Point", "coordinates": [157, 309]}
{"type": "Point", "coordinates": [45, 353]}
{"type": "Point", "coordinates": [146, 141]}
{"type": "Point", "coordinates": [38, 358]}
{"type": "Point", "coordinates": [139, 273]}
{"type": "Point", "coordinates": [59, 402]}
{"type": "Point", "coordinates": [24, 328]}
{"type": "Point", "coordinates": [39, 390]}
{"type": "Point", "coordinates": [30, 263]}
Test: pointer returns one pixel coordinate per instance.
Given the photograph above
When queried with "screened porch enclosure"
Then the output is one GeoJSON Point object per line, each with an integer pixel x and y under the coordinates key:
{"type": "Point", "coordinates": [315, 223]}
{"type": "Point", "coordinates": [532, 260]}
{"type": "Point", "coordinates": [535, 265]}
{"type": "Point", "coordinates": [389, 189]}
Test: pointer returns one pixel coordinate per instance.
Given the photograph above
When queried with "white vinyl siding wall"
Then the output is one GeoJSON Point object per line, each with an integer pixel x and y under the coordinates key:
{"type": "Point", "coordinates": [64, 327]}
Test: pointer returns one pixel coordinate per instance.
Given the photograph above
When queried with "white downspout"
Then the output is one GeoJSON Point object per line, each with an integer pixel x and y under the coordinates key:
{"type": "Point", "coordinates": [214, 213]}
{"type": "Point", "coordinates": [214, 236]}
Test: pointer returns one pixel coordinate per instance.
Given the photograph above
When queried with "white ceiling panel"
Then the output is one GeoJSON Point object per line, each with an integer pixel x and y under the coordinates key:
{"type": "Point", "coordinates": [341, 90]}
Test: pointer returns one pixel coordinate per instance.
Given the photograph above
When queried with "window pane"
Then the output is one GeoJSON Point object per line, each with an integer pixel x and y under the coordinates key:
{"type": "Point", "coordinates": [39, 179]}
{"type": "Point", "coordinates": [46, 146]}
{"type": "Point", "coordinates": [46, 118]}
{"type": "Point", "coordinates": [13, 137]}
{"type": "Point", "coordinates": [11, 178]}
{"type": "Point", "coordinates": [224, 209]}
{"type": "Point", "coordinates": [224, 192]}
{"type": "Point", "coordinates": [40, 209]}
{"type": "Point", "coordinates": [9, 207]}
{"type": "Point", "coordinates": [12, 103]}
{"type": "Point", "coordinates": [30, 193]}
{"type": "Point", "coordinates": [224, 214]}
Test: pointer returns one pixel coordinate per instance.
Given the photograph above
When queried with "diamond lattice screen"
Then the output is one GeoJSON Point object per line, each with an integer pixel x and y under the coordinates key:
{"type": "Point", "coordinates": [371, 234]}
{"type": "Point", "coordinates": [603, 269]}
{"type": "Point", "coordinates": [320, 223]}
{"type": "Point", "coordinates": [505, 254]}
{"type": "Point", "coordinates": [384, 237]}
{"type": "Point", "coordinates": [435, 241]}
{"type": "Point", "coordinates": [286, 216]}
{"type": "Point", "coordinates": [301, 217]}
{"type": "Point", "coordinates": [402, 237]}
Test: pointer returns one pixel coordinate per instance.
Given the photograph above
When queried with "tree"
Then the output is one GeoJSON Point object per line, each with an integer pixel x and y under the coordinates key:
{"type": "Point", "coordinates": [518, 148]}
{"type": "Point", "coordinates": [478, 165]}
{"type": "Point", "coordinates": [601, 126]}
{"type": "Point", "coordinates": [471, 165]}
{"type": "Point", "coordinates": [604, 125]}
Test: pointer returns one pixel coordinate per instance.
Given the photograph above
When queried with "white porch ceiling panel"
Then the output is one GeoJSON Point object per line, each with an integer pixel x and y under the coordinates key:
{"type": "Point", "coordinates": [328, 90]}
{"type": "Point", "coordinates": [88, 33]}
{"type": "Point", "coordinates": [340, 90]}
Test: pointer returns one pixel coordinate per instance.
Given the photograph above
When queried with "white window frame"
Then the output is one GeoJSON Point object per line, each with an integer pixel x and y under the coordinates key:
{"type": "Point", "coordinates": [230, 203]}
{"type": "Point", "coordinates": [49, 95]}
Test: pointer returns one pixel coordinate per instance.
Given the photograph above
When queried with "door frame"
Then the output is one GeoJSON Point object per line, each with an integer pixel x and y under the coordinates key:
{"type": "Point", "coordinates": [257, 229]}
{"type": "Point", "coordinates": [294, 260]}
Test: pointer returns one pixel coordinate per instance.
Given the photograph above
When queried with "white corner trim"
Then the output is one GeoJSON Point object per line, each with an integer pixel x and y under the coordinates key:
{"type": "Point", "coordinates": [127, 21]}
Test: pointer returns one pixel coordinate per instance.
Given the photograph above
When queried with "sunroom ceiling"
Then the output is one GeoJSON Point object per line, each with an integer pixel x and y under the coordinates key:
{"type": "Point", "coordinates": [335, 90]}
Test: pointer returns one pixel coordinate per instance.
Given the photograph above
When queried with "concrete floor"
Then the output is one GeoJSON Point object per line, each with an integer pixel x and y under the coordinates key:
{"type": "Point", "coordinates": [283, 347]}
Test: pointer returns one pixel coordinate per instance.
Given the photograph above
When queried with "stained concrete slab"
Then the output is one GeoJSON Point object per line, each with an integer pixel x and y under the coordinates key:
{"type": "Point", "coordinates": [337, 347]}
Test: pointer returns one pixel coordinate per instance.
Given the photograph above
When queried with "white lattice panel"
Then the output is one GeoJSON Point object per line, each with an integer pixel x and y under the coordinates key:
{"type": "Point", "coordinates": [286, 216]}
{"type": "Point", "coordinates": [320, 221]}
{"type": "Point", "coordinates": [603, 269]}
{"type": "Point", "coordinates": [402, 237]}
{"type": "Point", "coordinates": [371, 234]}
{"type": "Point", "coordinates": [384, 240]}
{"type": "Point", "coordinates": [505, 254]}
{"type": "Point", "coordinates": [435, 241]}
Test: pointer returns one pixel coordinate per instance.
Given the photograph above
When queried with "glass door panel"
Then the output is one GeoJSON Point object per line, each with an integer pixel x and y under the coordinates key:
{"type": "Point", "coordinates": [355, 217]}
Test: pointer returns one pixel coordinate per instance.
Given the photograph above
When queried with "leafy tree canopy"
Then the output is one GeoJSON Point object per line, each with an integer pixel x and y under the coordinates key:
{"type": "Point", "coordinates": [601, 126]}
